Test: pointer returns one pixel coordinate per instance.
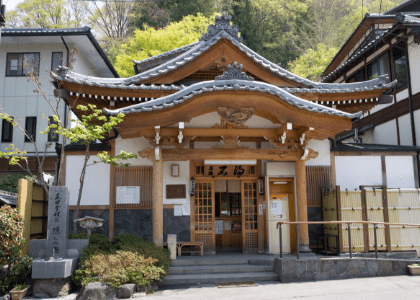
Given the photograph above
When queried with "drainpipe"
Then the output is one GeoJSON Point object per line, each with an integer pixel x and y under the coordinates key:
{"type": "Point", "coordinates": [65, 102]}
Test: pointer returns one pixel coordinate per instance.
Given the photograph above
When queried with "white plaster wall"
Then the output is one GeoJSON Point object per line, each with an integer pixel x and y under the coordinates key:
{"type": "Point", "coordinates": [417, 124]}
{"type": "Point", "coordinates": [323, 149]}
{"type": "Point", "coordinates": [280, 169]}
{"type": "Point", "coordinates": [353, 171]}
{"type": "Point", "coordinates": [96, 185]}
{"type": "Point", "coordinates": [133, 145]}
{"type": "Point", "coordinates": [184, 178]}
{"type": "Point", "coordinates": [379, 107]}
{"type": "Point", "coordinates": [401, 95]}
{"type": "Point", "coordinates": [404, 125]}
{"type": "Point", "coordinates": [400, 172]}
{"type": "Point", "coordinates": [414, 59]}
{"type": "Point", "coordinates": [385, 133]}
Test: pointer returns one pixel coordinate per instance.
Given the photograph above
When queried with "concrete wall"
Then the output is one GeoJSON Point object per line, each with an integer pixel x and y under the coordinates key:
{"type": "Point", "coordinates": [400, 172]}
{"type": "Point", "coordinates": [96, 185]}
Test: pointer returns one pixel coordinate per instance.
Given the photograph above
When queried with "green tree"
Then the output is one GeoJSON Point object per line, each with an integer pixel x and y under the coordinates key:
{"type": "Point", "coordinates": [148, 12]}
{"type": "Point", "coordinates": [150, 41]}
{"type": "Point", "coordinates": [48, 13]}
{"type": "Point", "coordinates": [312, 64]}
{"type": "Point", "coordinates": [9, 183]}
{"type": "Point", "coordinates": [179, 9]}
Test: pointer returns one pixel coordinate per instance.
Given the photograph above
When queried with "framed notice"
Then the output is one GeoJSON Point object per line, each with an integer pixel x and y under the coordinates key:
{"type": "Point", "coordinates": [176, 191]}
{"type": "Point", "coordinates": [128, 195]}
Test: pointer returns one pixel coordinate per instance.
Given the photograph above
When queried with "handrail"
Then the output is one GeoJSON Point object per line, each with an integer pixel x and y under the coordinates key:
{"type": "Point", "coordinates": [345, 222]}
{"type": "Point", "coordinates": [336, 222]}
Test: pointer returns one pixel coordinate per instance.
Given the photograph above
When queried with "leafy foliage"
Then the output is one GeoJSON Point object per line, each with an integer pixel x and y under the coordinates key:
{"type": "Point", "coordinates": [9, 183]}
{"type": "Point", "coordinates": [119, 268]}
{"type": "Point", "coordinates": [150, 41]}
{"type": "Point", "coordinates": [178, 9]}
{"type": "Point", "coordinates": [20, 274]}
{"type": "Point", "coordinates": [313, 63]}
{"type": "Point", "coordinates": [11, 235]}
{"type": "Point", "coordinates": [77, 235]}
{"type": "Point", "coordinates": [130, 242]}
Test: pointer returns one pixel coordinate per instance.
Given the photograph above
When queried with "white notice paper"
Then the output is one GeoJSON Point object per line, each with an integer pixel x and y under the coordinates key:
{"type": "Point", "coordinates": [177, 210]}
{"type": "Point", "coordinates": [277, 207]}
{"type": "Point", "coordinates": [186, 209]}
{"type": "Point", "coordinates": [219, 226]}
{"type": "Point", "coordinates": [128, 195]}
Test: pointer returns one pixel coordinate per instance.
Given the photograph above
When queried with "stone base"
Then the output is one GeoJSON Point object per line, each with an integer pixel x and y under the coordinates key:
{"type": "Point", "coordinates": [304, 249]}
{"type": "Point", "coordinates": [46, 288]}
{"type": "Point", "coordinates": [45, 269]}
{"type": "Point", "coordinates": [97, 290]}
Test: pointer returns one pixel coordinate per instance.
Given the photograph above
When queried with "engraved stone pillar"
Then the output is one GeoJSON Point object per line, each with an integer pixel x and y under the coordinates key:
{"type": "Point", "coordinates": [172, 245]}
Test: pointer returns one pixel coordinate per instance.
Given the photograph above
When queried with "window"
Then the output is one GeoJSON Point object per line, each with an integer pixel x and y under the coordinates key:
{"type": "Point", "coordinates": [52, 136]}
{"type": "Point", "coordinates": [400, 66]}
{"type": "Point", "coordinates": [56, 60]}
{"type": "Point", "coordinates": [358, 77]}
{"type": "Point", "coordinates": [7, 131]}
{"type": "Point", "coordinates": [16, 64]}
{"type": "Point", "coordinates": [380, 66]}
{"type": "Point", "coordinates": [30, 127]}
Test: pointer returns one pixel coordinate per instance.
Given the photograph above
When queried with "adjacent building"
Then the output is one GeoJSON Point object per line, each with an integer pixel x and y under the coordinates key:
{"type": "Point", "coordinates": [45, 49]}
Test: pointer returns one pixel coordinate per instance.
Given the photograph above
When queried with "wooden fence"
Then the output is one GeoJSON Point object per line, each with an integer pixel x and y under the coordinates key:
{"type": "Point", "coordinates": [374, 205]}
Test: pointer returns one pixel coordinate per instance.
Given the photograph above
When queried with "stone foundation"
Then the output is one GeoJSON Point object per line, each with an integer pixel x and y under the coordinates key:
{"type": "Point", "coordinates": [340, 268]}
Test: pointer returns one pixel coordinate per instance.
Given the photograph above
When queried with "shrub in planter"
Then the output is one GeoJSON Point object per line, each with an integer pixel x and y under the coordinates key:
{"type": "Point", "coordinates": [119, 268]}
{"type": "Point", "coordinates": [20, 273]}
{"type": "Point", "coordinates": [133, 243]}
{"type": "Point", "coordinates": [98, 243]}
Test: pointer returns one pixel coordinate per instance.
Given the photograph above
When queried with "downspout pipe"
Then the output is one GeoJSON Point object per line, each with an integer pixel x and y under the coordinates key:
{"type": "Point", "coordinates": [67, 61]}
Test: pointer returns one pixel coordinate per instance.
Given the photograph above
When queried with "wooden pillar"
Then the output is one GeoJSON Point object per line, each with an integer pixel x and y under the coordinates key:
{"type": "Point", "coordinates": [24, 207]}
{"type": "Point", "coordinates": [302, 205]}
{"type": "Point", "coordinates": [157, 206]}
{"type": "Point", "coordinates": [260, 216]}
{"type": "Point", "coordinates": [112, 193]}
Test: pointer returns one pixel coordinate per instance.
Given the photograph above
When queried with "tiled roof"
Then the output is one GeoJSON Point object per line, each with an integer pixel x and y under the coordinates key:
{"type": "Point", "coordinates": [228, 85]}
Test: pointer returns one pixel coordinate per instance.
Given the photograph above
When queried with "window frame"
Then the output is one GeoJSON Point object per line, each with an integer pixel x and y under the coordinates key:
{"type": "Point", "coordinates": [23, 53]}
{"type": "Point", "coordinates": [362, 69]}
{"type": "Point", "coordinates": [10, 132]}
{"type": "Point", "coordinates": [403, 45]}
{"type": "Point", "coordinates": [52, 59]}
{"type": "Point", "coordinates": [34, 133]}
{"type": "Point", "coordinates": [376, 60]}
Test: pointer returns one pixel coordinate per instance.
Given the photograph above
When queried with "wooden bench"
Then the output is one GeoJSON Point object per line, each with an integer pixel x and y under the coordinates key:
{"type": "Point", "coordinates": [179, 246]}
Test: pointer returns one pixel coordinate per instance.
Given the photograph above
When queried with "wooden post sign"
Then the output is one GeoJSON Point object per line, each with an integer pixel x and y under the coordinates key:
{"type": "Point", "coordinates": [128, 195]}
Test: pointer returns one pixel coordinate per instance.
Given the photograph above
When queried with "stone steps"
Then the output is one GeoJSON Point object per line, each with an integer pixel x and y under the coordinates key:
{"type": "Point", "coordinates": [218, 277]}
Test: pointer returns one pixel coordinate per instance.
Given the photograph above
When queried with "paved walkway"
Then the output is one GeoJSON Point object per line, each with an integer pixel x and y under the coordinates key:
{"type": "Point", "coordinates": [383, 288]}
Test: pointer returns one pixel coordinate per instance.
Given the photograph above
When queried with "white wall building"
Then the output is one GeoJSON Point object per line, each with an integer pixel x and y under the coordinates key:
{"type": "Point", "coordinates": [49, 48]}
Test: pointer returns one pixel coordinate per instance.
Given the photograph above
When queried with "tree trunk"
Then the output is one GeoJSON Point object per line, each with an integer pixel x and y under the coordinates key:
{"type": "Point", "coordinates": [82, 180]}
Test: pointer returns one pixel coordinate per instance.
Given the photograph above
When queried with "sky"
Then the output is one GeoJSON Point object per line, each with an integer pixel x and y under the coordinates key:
{"type": "Point", "coordinates": [11, 4]}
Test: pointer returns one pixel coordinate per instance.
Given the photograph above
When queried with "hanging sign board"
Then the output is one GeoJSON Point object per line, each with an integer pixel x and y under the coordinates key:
{"type": "Point", "coordinates": [128, 195]}
{"type": "Point", "coordinates": [229, 170]}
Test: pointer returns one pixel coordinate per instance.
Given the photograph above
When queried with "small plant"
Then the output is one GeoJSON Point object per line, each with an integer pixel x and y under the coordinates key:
{"type": "Point", "coordinates": [20, 273]}
{"type": "Point", "coordinates": [20, 287]}
{"type": "Point", "coordinates": [77, 235]}
{"type": "Point", "coordinates": [415, 265]}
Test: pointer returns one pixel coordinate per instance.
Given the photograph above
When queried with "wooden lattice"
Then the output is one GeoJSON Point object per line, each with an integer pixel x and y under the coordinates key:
{"type": "Point", "coordinates": [251, 240]}
{"type": "Point", "coordinates": [206, 238]}
{"type": "Point", "coordinates": [136, 176]}
{"type": "Point", "coordinates": [317, 178]}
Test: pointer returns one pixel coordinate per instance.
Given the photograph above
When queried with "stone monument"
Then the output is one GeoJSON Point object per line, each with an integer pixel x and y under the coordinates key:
{"type": "Point", "coordinates": [56, 263]}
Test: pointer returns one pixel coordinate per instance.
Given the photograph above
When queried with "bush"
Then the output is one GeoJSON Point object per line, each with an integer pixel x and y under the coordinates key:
{"type": "Point", "coordinates": [98, 244]}
{"type": "Point", "coordinates": [119, 268]}
{"type": "Point", "coordinates": [133, 243]}
{"type": "Point", "coordinates": [9, 182]}
{"type": "Point", "coordinates": [77, 235]}
{"type": "Point", "coordinates": [11, 237]}
{"type": "Point", "coordinates": [19, 274]}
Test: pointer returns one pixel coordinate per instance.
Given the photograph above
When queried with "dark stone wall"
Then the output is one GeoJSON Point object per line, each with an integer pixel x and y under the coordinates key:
{"type": "Point", "coordinates": [138, 222]}
{"type": "Point", "coordinates": [314, 214]}
{"type": "Point", "coordinates": [176, 225]}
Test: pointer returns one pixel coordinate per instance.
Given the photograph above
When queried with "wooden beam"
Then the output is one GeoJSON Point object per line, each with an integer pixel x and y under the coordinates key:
{"type": "Point", "coordinates": [364, 218]}
{"type": "Point", "coordinates": [112, 193]}
{"type": "Point", "coordinates": [157, 205]}
{"type": "Point", "coordinates": [302, 203]}
{"type": "Point", "coordinates": [386, 218]}
{"type": "Point", "coordinates": [222, 153]}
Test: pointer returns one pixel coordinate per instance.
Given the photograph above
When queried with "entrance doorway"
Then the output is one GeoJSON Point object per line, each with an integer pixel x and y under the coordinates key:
{"type": "Point", "coordinates": [226, 215]}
